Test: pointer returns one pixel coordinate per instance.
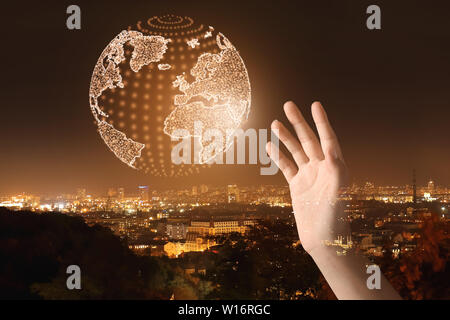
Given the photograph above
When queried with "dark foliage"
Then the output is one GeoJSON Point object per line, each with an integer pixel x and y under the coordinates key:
{"type": "Point", "coordinates": [424, 272]}
{"type": "Point", "coordinates": [267, 263]}
{"type": "Point", "coordinates": [36, 249]}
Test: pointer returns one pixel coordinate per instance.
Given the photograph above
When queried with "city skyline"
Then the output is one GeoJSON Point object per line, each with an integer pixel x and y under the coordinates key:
{"type": "Point", "coordinates": [205, 195]}
{"type": "Point", "coordinates": [188, 185]}
{"type": "Point", "coordinates": [176, 222]}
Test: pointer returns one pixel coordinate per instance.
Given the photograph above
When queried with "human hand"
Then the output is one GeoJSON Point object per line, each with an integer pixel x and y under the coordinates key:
{"type": "Point", "coordinates": [314, 177]}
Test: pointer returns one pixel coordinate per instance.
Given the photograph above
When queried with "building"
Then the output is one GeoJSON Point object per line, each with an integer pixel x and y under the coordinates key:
{"type": "Point", "coordinates": [212, 228]}
{"type": "Point", "coordinates": [174, 249]}
{"type": "Point", "coordinates": [367, 242]}
{"type": "Point", "coordinates": [198, 232]}
{"type": "Point", "coordinates": [112, 192]}
{"type": "Point", "coordinates": [203, 188]}
{"type": "Point", "coordinates": [409, 211]}
{"type": "Point", "coordinates": [162, 215]}
{"type": "Point", "coordinates": [233, 193]}
{"type": "Point", "coordinates": [194, 243]}
{"type": "Point", "coordinates": [121, 194]}
{"type": "Point", "coordinates": [176, 231]}
{"type": "Point", "coordinates": [431, 186]}
{"type": "Point", "coordinates": [143, 193]}
{"type": "Point", "coordinates": [81, 194]}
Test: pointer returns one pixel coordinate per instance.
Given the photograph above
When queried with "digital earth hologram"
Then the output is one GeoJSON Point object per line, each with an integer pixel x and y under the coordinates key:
{"type": "Point", "coordinates": [158, 78]}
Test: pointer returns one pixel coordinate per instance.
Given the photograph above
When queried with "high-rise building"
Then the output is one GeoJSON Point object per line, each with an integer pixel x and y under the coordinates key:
{"type": "Point", "coordinates": [121, 193]}
{"type": "Point", "coordinates": [143, 193]}
{"type": "Point", "coordinates": [81, 194]}
{"type": "Point", "coordinates": [194, 190]}
{"type": "Point", "coordinates": [112, 192]}
{"type": "Point", "coordinates": [233, 193]}
{"type": "Point", "coordinates": [431, 186]}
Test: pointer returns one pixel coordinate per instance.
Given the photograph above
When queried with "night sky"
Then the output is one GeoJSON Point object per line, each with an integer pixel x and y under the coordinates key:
{"type": "Point", "coordinates": [386, 91]}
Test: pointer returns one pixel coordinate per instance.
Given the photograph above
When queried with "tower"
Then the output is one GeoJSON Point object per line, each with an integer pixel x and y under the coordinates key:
{"type": "Point", "coordinates": [431, 186]}
{"type": "Point", "coordinates": [143, 193]}
{"type": "Point", "coordinates": [414, 187]}
{"type": "Point", "coordinates": [121, 193]}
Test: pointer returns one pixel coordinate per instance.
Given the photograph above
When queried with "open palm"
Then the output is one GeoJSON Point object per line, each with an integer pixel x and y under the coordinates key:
{"type": "Point", "coordinates": [314, 177]}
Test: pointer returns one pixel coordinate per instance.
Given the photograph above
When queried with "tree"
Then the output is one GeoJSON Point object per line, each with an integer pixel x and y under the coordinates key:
{"type": "Point", "coordinates": [35, 250]}
{"type": "Point", "coordinates": [422, 273]}
{"type": "Point", "coordinates": [267, 263]}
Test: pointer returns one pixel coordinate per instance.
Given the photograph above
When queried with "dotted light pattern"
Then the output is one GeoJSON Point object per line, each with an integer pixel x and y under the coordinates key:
{"type": "Point", "coordinates": [222, 81]}
{"type": "Point", "coordinates": [165, 76]}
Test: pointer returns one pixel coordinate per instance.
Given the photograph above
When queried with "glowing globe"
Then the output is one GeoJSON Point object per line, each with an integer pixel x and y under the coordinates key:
{"type": "Point", "coordinates": [155, 81]}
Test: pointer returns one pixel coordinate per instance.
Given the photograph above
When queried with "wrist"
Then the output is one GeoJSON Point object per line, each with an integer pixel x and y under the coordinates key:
{"type": "Point", "coordinates": [322, 252]}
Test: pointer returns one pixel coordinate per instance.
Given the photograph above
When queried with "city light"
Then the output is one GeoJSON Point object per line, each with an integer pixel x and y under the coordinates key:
{"type": "Point", "coordinates": [169, 214]}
